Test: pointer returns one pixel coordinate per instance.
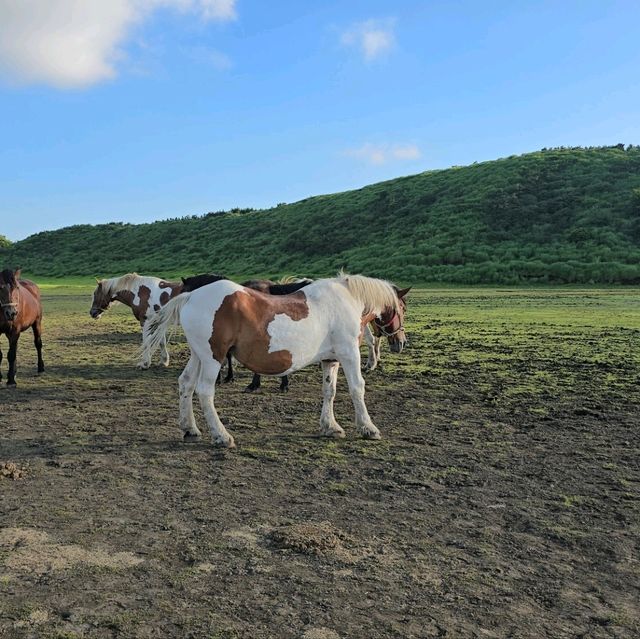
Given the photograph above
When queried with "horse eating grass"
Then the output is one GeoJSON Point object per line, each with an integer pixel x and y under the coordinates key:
{"type": "Point", "coordinates": [275, 335]}
{"type": "Point", "coordinates": [20, 309]}
{"type": "Point", "coordinates": [145, 296]}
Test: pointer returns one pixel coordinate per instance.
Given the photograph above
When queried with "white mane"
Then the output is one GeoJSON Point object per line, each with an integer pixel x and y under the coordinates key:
{"type": "Point", "coordinates": [375, 294]}
{"type": "Point", "coordinates": [123, 283]}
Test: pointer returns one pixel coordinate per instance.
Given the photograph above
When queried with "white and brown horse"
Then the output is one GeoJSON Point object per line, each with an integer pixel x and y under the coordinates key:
{"type": "Point", "coordinates": [275, 335]}
{"type": "Point", "coordinates": [145, 296]}
{"type": "Point", "coordinates": [20, 309]}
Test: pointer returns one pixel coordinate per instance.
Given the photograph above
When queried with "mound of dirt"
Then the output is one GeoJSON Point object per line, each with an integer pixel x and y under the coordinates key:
{"type": "Point", "coordinates": [313, 539]}
{"type": "Point", "coordinates": [9, 470]}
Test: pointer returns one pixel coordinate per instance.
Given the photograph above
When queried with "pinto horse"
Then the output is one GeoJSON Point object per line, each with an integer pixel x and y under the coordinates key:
{"type": "Point", "coordinates": [275, 335]}
{"type": "Point", "coordinates": [264, 286]}
{"type": "Point", "coordinates": [20, 309]}
{"type": "Point", "coordinates": [145, 296]}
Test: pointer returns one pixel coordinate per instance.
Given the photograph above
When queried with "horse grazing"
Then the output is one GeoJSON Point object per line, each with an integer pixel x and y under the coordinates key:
{"type": "Point", "coordinates": [264, 286]}
{"type": "Point", "coordinates": [145, 296]}
{"type": "Point", "coordinates": [20, 309]}
{"type": "Point", "coordinates": [275, 335]}
{"type": "Point", "coordinates": [386, 325]}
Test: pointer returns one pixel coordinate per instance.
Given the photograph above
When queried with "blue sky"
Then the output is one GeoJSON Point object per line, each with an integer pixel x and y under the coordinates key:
{"type": "Point", "coordinates": [139, 110]}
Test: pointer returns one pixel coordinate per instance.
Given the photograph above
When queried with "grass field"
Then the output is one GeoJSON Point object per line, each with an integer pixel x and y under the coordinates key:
{"type": "Point", "coordinates": [502, 501]}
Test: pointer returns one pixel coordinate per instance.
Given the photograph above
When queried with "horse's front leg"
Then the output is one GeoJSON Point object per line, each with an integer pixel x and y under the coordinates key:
{"type": "Point", "coordinates": [372, 360]}
{"type": "Point", "coordinates": [329, 427]}
{"type": "Point", "coordinates": [254, 386]}
{"type": "Point", "coordinates": [350, 361]}
{"type": "Point", "coordinates": [13, 351]}
{"type": "Point", "coordinates": [206, 388]}
{"type": "Point", "coordinates": [37, 340]}
{"type": "Point", "coordinates": [187, 384]}
{"type": "Point", "coordinates": [0, 363]}
{"type": "Point", "coordinates": [146, 362]}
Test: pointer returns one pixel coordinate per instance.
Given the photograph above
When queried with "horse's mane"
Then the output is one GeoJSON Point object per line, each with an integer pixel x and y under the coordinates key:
{"type": "Point", "coordinates": [198, 281]}
{"type": "Point", "coordinates": [122, 283]}
{"type": "Point", "coordinates": [292, 279]}
{"type": "Point", "coordinates": [8, 277]}
{"type": "Point", "coordinates": [375, 294]}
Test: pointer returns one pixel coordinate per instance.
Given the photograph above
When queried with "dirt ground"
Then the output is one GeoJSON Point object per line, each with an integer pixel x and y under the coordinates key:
{"type": "Point", "coordinates": [502, 501]}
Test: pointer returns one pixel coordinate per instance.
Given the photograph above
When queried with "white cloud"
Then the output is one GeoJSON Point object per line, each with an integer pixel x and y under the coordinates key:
{"type": "Point", "coordinates": [373, 38]}
{"type": "Point", "coordinates": [380, 154]}
{"type": "Point", "coordinates": [76, 43]}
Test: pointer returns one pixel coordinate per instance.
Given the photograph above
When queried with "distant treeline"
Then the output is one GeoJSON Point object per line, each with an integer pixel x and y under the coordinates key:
{"type": "Point", "coordinates": [567, 215]}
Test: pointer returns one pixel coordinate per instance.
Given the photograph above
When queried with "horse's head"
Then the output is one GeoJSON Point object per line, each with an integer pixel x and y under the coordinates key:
{"type": "Point", "coordinates": [390, 322]}
{"type": "Point", "coordinates": [9, 293]}
{"type": "Point", "coordinates": [101, 300]}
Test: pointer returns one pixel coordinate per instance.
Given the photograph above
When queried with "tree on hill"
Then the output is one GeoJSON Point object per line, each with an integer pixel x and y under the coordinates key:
{"type": "Point", "coordinates": [4, 241]}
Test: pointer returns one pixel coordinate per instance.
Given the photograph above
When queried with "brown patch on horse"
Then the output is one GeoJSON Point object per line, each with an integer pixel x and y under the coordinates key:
{"type": "Point", "coordinates": [175, 289]}
{"type": "Point", "coordinates": [242, 323]}
{"type": "Point", "coordinates": [139, 309]}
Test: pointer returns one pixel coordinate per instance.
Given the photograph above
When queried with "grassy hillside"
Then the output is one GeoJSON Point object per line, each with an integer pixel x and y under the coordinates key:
{"type": "Point", "coordinates": [561, 216]}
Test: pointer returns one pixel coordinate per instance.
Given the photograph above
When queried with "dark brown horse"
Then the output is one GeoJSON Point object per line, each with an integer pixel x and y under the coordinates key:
{"type": "Point", "coordinates": [20, 309]}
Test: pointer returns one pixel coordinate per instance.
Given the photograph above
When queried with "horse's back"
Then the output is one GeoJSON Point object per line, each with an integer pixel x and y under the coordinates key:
{"type": "Point", "coordinates": [32, 287]}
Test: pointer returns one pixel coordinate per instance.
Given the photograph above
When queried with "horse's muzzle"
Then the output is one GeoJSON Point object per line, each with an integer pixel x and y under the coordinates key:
{"type": "Point", "coordinates": [10, 314]}
{"type": "Point", "coordinates": [95, 313]}
{"type": "Point", "coordinates": [396, 347]}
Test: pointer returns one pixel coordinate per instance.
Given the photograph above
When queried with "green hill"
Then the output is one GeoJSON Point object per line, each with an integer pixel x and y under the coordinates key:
{"type": "Point", "coordinates": [560, 215]}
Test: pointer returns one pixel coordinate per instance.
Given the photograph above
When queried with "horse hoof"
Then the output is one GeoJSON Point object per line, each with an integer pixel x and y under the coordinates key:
{"type": "Point", "coordinates": [190, 437]}
{"type": "Point", "coordinates": [284, 389]}
{"type": "Point", "coordinates": [251, 389]}
{"type": "Point", "coordinates": [372, 435]}
{"type": "Point", "coordinates": [11, 384]}
{"type": "Point", "coordinates": [225, 443]}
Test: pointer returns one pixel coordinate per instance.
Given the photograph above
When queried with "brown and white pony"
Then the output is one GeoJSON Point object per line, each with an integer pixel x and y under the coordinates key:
{"type": "Point", "coordinates": [145, 296]}
{"type": "Point", "coordinates": [275, 335]}
{"type": "Point", "coordinates": [20, 309]}
{"type": "Point", "coordinates": [283, 287]}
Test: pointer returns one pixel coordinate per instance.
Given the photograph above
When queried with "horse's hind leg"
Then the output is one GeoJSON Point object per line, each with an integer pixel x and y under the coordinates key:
{"type": "Point", "coordinates": [284, 384]}
{"type": "Point", "coordinates": [164, 352]}
{"type": "Point", "coordinates": [0, 363]}
{"type": "Point", "coordinates": [329, 427]}
{"type": "Point", "coordinates": [206, 388]}
{"type": "Point", "coordinates": [254, 386]}
{"type": "Point", "coordinates": [187, 384]}
{"type": "Point", "coordinates": [351, 365]}
{"type": "Point", "coordinates": [37, 340]}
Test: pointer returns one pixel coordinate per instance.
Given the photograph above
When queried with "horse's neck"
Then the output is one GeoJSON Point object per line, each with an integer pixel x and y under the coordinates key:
{"type": "Point", "coordinates": [126, 292]}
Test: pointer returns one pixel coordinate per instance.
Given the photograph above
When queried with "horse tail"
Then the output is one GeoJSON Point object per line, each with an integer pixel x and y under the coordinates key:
{"type": "Point", "coordinates": [155, 330]}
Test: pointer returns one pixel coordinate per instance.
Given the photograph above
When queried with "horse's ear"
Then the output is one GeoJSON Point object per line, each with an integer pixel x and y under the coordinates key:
{"type": "Point", "coordinates": [184, 281]}
{"type": "Point", "coordinates": [404, 291]}
{"type": "Point", "coordinates": [17, 273]}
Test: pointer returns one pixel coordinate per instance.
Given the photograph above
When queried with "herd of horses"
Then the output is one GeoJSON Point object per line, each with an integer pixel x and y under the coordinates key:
{"type": "Point", "coordinates": [270, 328]}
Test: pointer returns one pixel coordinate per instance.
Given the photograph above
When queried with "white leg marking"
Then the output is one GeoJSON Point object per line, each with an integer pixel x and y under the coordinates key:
{"type": "Point", "coordinates": [329, 427]}
{"type": "Point", "coordinates": [144, 364]}
{"type": "Point", "coordinates": [372, 360]}
{"type": "Point", "coordinates": [187, 384]}
{"type": "Point", "coordinates": [164, 353]}
{"type": "Point", "coordinates": [206, 389]}
{"type": "Point", "coordinates": [351, 365]}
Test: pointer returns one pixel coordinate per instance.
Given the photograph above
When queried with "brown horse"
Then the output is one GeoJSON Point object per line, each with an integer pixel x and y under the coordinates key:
{"type": "Point", "coordinates": [20, 309]}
